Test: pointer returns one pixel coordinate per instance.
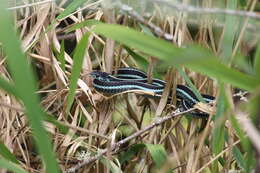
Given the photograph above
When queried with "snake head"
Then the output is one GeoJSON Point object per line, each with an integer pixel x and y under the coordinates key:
{"type": "Point", "coordinates": [102, 76]}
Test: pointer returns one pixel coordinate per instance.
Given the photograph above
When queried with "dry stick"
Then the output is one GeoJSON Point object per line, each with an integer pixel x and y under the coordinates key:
{"type": "Point", "coordinates": [157, 30]}
{"type": "Point", "coordinates": [118, 144]}
{"type": "Point", "coordinates": [202, 139]}
{"type": "Point", "coordinates": [30, 5]}
{"type": "Point", "coordinates": [160, 33]}
{"type": "Point", "coordinates": [109, 15]}
{"type": "Point", "coordinates": [192, 9]}
{"type": "Point", "coordinates": [217, 156]}
{"type": "Point", "coordinates": [169, 131]}
{"type": "Point", "coordinates": [84, 131]}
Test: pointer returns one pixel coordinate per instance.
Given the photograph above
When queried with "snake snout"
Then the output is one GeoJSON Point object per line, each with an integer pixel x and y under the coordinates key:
{"type": "Point", "coordinates": [94, 74]}
{"type": "Point", "coordinates": [103, 76]}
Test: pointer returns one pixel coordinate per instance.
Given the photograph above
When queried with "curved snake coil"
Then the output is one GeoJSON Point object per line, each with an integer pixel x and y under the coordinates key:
{"type": "Point", "coordinates": [127, 79]}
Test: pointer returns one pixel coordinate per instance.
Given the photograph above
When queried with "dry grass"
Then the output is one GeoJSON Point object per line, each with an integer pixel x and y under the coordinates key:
{"type": "Point", "coordinates": [96, 122]}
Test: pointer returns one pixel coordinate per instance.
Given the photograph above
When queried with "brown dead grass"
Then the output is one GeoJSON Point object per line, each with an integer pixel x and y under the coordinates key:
{"type": "Point", "coordinates": [95, 122]}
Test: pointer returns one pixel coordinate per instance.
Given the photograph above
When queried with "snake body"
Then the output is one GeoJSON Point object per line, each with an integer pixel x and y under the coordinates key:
{"type": "Point", "coordinates": [127, 79]}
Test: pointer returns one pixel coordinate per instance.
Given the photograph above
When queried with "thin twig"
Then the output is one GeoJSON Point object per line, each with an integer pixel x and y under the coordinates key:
{"type": "Point", "coordinates": [123, 141]}
{"type": "Point", "coordinates": [192, 9]}
{"type": "Point", "coordinates": [217, 156]}
{"type": "Point", "coordinates": [157, 30]}
{"type": "Point", "coordinates": [30, 5]}
{"type": "Point", "coordinates": [84, 130]}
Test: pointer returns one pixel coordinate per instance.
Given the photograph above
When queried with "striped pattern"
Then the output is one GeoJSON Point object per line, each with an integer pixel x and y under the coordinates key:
{"type": "Point", "coordinates": [127, 79]}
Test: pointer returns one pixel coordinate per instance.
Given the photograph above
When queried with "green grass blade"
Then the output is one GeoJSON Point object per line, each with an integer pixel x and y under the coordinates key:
{"type": "Point", "coordinates": [49, 118]}
{"type": "Point", "coordinates": [215, 69]}
{"type": "Point", "coordinates": [4, 152]}
{"type": "Point", "coordinates": [146, 30]}
{"type": "Point", "coordinates": [25, 86]}
{"type": "Point", "coordinates": [7, 86]}
{"type": "Point", "coordinates": [243, 64]}
{"type": "Point", "coordinates": [158, 154]}
{"type": "Point", "coordinates": [141, 61]}
{"type": "Point", "coordinates": [257, 60]}
{"type": "Point", "coordinates": [11, 166]}
{"type": "Point", "coordinates": [229, 33]}
{"type": "Point", "coordinates": [61, 56]}
{"type": "Point", "coordinates": [219, 131]}
{"type": "Point", "coordinates": [239, 158]}
{"type": "Point", "coordinates": [195, 57]}
{"type": "Point", "coordinates": [190, 84]}
{"type": "Point", "coordinates": [83, 24]}
{"type": "Point", "coordinates": [218, 136]}
{"type": "Point", "coordinates": [250, 160]}
{"type": "Point", "coordinates": [71, 8]}
{"type": "Point", "coordinates": [111, 165]}
{"type": "Point", "coordinates": [130, 153]}
{"type": "Point", "coordinates": [76, 68]}
{"type": "Point", "coordinates": [242, 3]}
{"type": "Point", "coordinates": [240, 133]}
{"type": "Point", "coordinates": [148, 44]}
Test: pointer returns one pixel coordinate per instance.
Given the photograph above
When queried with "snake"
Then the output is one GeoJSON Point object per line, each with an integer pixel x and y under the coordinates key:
{"type": "Point", "coordinates": [132, 79]}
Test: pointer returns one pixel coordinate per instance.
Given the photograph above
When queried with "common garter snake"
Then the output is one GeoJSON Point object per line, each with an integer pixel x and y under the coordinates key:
{"type": "Point", "coordinates": [131, 79]}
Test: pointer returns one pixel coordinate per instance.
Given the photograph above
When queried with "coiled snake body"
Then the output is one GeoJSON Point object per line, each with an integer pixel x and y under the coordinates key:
{"type": "Point", "coordinates": [131, 79]}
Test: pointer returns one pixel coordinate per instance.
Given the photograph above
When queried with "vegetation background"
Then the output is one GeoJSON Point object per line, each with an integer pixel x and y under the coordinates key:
{"type": "Point", "coordinates": [52, 120]}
